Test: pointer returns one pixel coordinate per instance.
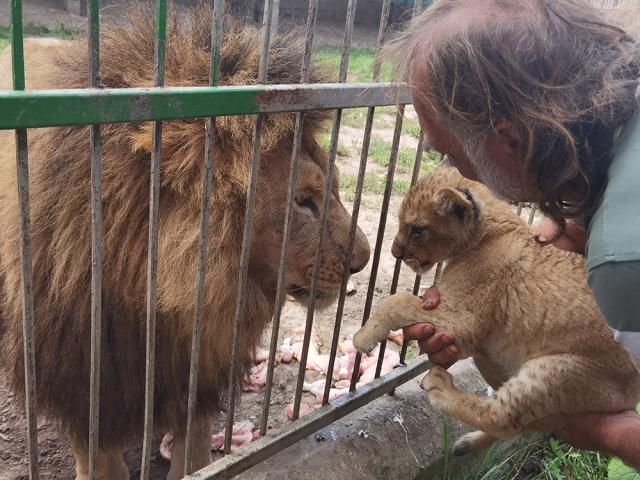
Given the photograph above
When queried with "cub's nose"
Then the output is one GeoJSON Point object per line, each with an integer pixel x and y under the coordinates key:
{"type": "Point", "coordinates": [397, 250]}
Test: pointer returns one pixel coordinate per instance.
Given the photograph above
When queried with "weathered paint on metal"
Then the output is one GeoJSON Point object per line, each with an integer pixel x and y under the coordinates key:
{"type": "Point", "coordinates": [48, 108]}
{"type": "Point", "coordinates": [207, 187]}
{"type": "Point", "coordinates": [152, 257]}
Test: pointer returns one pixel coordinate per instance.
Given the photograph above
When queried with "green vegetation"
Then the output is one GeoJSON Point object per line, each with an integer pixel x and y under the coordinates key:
{"type": "Point", "coordinates": [360, 63]}
{"type": "Point", "coordinates": [380, 152]}
{"type": "Point", "coordinates": [37, 30]}
{"type": "Point", "coordinates": [532, 457]}
{"type": "Point", "coordinates": [325, 143]}
{"type": "Point", "coordinates": [373, 183]}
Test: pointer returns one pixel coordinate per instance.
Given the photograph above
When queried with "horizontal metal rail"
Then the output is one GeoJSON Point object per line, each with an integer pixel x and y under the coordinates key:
{"type": "Point", "coordinates": [50, 108]}
{"type": "Point", "coordinates": [265, 447]}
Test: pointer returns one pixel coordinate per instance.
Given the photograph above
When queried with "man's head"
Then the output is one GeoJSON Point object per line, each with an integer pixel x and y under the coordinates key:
{"type": "Point", "coordinates": [524, 95]}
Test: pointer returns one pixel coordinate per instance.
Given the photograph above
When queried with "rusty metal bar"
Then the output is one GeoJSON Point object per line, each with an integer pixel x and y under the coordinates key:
{"type": "Point", "coordinates": [395, 145]}
{"type": "Point", "coordinates": [49, 108]}
{"type": "Point", "coordinates": [398, 265]}
{"type": "Point", "coordinates": [96, 246]}
{"type": "Point", "coordinates": [293, 178]}
{"type": "Point", "coordinates": [263, 448]}
{"type": "Point", "coordinates": [207, 187]}
{"type": "Point", "coordinates": [346, 266]}
{"type": "Point", "coordinates": [380, 238]}
{"type": "Point", "coordinates": [248, 227]}
{"type": "Point", "coordinates": [152, 254]}
{"type": "Point", "coordinates": [326, 198]}
{"type": "Point", "coordinates": [323, 230]}
{"type": "Point", "coordinates": [26, 259]}
{"type": "Point", "coordinates": [532, 214]}
{"type": "Point", "coordinates": [405, 343]}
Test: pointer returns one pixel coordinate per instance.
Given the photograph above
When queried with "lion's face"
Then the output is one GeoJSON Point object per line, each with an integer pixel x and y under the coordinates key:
{"type": "Point", "coordinates": [305, 229]}
{"type": "Point", "coordinates": [435, 225]}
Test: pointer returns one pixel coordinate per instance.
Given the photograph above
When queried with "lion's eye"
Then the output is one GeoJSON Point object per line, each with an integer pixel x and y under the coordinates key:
{"type": "Point", "coordinates": [306, 203]}
{"type": "Point", "coordinates": [417, 230]}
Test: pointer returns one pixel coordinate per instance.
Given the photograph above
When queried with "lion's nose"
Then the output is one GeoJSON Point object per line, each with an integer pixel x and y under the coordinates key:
{"type": "Point", "coordinates": [397, 251]}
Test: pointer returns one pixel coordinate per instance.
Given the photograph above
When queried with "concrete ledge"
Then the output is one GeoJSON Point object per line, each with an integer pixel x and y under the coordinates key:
{"type": "Point", "coordinates": [396, 437]}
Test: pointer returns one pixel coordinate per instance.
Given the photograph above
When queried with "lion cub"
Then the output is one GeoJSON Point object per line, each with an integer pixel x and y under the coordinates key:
{"type": "Point", "coordinates": [522, 310]}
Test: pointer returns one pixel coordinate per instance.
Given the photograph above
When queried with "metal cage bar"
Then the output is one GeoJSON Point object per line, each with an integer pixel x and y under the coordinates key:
{"type": "Point", "coordinates": [313, 7]}
{"type": "Point", "coordinates": [152, 255]}
{"type": "Point", "coordinates": [96, 246]}
{"type": "Point", "coordinates": [532, 214]}
{"type": "Point", "coordinates": [293, 176]}
{"type": "Point", "coordinates": [207, 187]}
{"type": "Point", "coordinates": [247, 232]}
{"type": "Point", "coordinates": [379, 241]}
{"type": "Point", "coordinates": [52, 108]}
{"type": "Point", "coordinates": [395, 145]}
{"type": "Point", "coordinates": [344, 64]}
{"type": "Point", "coordinates": [26, 259]}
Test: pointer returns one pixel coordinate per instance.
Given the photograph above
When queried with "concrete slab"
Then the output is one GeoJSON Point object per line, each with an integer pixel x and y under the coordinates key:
{"type": "Point", "coordinates": [394, 437]}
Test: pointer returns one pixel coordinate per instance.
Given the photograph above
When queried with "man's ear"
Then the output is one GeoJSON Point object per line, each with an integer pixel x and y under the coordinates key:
{"type": "Point", "coordinates": [456, 203]}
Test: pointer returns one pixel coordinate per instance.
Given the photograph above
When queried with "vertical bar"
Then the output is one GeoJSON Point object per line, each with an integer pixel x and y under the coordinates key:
{"type": "Point", "coordinates": [346, 273]}
{"type": "Point", "coordinates": [380, 238]}
{"type": "Point", "coordinates": [26, 263]}
{"type": "Point", "coordinates": [405, 343]}
{"type": "Point", "coordinates": [248, 226]}
{"type": "Point", "coordinates": [364, 153]}
{"type": "Point", "coordinates": [275, 16]}
{"type": "Point", "coordinates": [152, 255]}
{"type": "Point", "coordinates": [293, 178]}
{"type": "Point", "coordinates": [519, 210]}
{"type": "Point", "coordinates": [532, 214]}
{"type": "Point", "coordinates": [326, 198]}
{"type": "Point", "coordinates": [207, 187]}
{"type": "Point", "coordinates": [396, 270]}
{"type": "Point", "coordinates": [96, 245]}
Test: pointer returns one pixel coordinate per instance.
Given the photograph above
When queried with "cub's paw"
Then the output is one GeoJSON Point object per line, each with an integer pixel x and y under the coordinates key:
{"type": "Point", "coordinates": [472, 442]}
{"type": "Point", "coordinates": [438, 383]}
{"type": "Point", "coordinates": [365, 340]}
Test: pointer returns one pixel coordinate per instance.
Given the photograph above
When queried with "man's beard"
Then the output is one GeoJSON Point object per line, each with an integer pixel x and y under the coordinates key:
{"type": "Point", "coordinates": [503, 185]}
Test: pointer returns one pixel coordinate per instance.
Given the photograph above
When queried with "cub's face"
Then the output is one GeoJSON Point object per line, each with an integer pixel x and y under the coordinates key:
{"type": "Point", "coordinates": [435, 225]}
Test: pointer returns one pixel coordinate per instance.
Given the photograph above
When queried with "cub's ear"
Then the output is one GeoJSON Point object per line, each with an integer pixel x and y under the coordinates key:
{"type": "Point", "coordinates": [455, 202]}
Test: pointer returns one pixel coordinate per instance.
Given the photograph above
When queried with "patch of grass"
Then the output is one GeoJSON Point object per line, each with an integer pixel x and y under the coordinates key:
{"type": "Point", "coordinates": [4, 43]}
{"type": "Point", "coordinates": [538, 459]}
{"type": "Point", "coordinates": [411, 128]}
{"type": "Point", "coordinates": [325, 143]}
{"type": "Point", "coordinates": [380, 152]}
{"type": "Point", "coordinates": [360, 63]}
{"type": "Point", "coordinates": [38, 30]}
{"type": "Point", "coordinates": [373, 183]}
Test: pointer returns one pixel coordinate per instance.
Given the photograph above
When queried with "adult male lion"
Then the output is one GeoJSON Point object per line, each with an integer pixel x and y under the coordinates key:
{"type": "Point", "coordinates": [60, 212]}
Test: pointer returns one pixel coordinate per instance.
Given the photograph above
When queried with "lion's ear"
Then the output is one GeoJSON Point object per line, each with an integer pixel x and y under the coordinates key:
{"type": "Point", "coordinates": [458, 203]}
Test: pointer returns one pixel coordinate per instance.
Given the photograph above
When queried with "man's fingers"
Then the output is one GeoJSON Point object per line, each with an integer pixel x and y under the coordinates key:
{"type": "Point", "coordinates": [431, 298]}
{"type": "Point", "coordinates": [436, 343]}
{"type": "Point", "coordinates": [418, 331]}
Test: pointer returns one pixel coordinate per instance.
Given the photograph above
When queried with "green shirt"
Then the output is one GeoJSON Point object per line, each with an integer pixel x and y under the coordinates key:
{"type": "Point", "coordinates": [613, 247]}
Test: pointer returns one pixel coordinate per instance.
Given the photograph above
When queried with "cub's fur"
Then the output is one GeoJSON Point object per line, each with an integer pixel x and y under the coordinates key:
{"type": "Point", "coordinates": [522, 310]}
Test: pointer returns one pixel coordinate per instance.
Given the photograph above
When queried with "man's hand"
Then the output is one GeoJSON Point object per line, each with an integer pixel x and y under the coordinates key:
{"type": "Point", "coordinates": [609, 433]}
{"type": "Point", "coordinates": [438, 345]}
{"type": "Point", "coordinates": [573, 239]}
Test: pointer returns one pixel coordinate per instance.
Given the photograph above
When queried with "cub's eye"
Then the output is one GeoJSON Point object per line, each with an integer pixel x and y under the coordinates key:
{"type": "Point", "coordinates": [417, 230]}
{"type": "Point", "coordinates": [306, 203]}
